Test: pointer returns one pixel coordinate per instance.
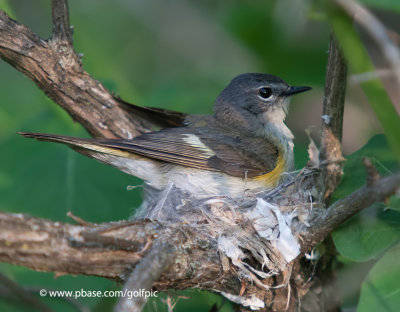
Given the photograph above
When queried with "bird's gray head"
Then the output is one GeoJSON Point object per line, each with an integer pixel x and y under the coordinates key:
{"type": "Point", "coordinates": [251, 101]}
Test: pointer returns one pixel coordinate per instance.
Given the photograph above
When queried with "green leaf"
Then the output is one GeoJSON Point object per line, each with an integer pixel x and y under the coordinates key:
{"type": "Point", "coordinates": [370, 233]}
{"type": "Point", "coordinates": [381, 289]}
{"type": "Point", "coordinates": [394, 203]}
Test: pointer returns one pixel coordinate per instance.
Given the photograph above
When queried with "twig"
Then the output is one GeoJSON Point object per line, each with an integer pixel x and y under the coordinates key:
{"type": "Point", "coordinates": [335, 90]}
{"type": "Point", "coordinates": [371, 75]}
{"type": "Point", "coordinates": [376, 31]}
{"type": "Point", "coordinates": [332, 125]}
{"type": "Point", "coordinates": [144, 275]}
{"type": "Point", "coordinates": [346, 207]}
{"type": "Point", "coordinates": [372, 173]}
{"type": "Point", "coordinates": [61, 27]}
{"type": "Point", "coordinates": [77, 219]}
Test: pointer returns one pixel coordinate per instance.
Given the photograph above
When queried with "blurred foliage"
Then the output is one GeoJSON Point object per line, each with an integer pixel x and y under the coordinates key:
{"type": "Point", "coordinates": [178, 55]}
{"type": "Point", "coordinates": [370, 235]}
{"type": "Point", "coordinates": [371, 232]}
{"type": "Point", "coordinates": [383, 4]}
{"type": "Point", "coordinates": [380, 290]}
{"type": "Point", "coordinates": [374, 233]}
{"type": "Point", "coordinates": [360, 62]}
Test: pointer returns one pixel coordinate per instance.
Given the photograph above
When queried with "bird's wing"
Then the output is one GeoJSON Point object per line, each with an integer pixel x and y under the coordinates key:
{"type": "Point", "coordinates": [160, 117]}
{"type": "Point", "coordinates": [198, 149]}
{"type": "Point", "coordinates": [187, 147]}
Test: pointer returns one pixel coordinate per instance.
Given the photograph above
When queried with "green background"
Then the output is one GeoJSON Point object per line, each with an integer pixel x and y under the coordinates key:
{"type": "Point", "coordinates": [180, 55]}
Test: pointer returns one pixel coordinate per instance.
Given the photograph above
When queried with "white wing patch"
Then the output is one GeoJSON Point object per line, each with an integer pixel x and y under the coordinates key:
{"type": "Point", "coordinates": [195, 141]}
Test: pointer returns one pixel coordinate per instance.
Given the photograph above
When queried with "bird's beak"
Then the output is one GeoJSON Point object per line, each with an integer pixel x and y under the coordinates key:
{"type": "Point", "coordinates": [294, 90]}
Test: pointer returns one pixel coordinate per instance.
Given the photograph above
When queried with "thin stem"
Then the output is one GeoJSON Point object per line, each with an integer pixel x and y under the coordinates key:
{"type": "Point", "coordinates": [61, 28]}
{"type": "Point", "coordinates": [332, 125]}
{"type": "Point", "coordinates": [335, 90]}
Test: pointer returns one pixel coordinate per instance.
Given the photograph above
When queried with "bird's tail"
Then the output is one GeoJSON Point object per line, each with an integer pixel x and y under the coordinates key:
{"type": "Point", "coordinates": [110, 152]}
{"type": "Point", "coordinates": [83, 146]}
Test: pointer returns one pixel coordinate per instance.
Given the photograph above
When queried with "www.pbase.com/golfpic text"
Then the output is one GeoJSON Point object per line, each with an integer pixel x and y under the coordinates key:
{"type": "Point", "coordinates": [82, 293]}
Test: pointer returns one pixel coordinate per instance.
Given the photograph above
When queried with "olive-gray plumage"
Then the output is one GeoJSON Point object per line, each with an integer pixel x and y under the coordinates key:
{"type": "Point", "coordinates": [233, 150]}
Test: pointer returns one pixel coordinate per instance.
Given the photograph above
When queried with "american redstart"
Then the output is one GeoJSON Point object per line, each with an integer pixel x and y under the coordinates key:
{"type": "Point", "coordinates": [244, 145]}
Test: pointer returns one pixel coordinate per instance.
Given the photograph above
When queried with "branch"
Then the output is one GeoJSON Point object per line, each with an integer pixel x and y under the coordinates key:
{"type": "Point", "coordinates": [146, 273]}
{"type": "Point", "coordinates": [111, 250]}
{"type": "Point", "coordinates": [374, 191]}
{"type": "Point", "coordinates": [57, 71]}
{"type": "Point", "coordinates": [108, 250]}
{"type": "Point", "coordinates": [335, 89]}
{"type": "Point", "coordinates": [377, 31]}
{"type": "Point", "coordinates": [61, 28]}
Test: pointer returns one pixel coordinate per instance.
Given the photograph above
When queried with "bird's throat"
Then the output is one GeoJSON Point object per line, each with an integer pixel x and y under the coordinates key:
{"type": "Point", "coordinates": [276, 130]}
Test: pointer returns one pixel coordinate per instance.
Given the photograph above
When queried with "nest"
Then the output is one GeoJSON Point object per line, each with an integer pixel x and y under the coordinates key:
{"type": "Point", "coordinates": [259, 232]}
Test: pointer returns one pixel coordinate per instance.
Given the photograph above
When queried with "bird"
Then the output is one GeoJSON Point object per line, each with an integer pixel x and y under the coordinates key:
{"type": "Point", "coordinates": [244, 145]}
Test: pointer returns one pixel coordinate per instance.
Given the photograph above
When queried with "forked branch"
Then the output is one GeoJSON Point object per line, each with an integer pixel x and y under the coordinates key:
{"type": "Point", "coordinates": [56, 69]}
{"type": "Point", "coordinates": [375, 190]}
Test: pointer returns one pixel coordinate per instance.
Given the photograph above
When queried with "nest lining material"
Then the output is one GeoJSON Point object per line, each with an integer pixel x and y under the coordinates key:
{"type": "Point", "coordinates": [264, 226]}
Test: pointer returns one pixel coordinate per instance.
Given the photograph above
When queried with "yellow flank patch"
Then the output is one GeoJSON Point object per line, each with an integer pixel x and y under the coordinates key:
{"type": "Point", "coordinates": [271, 178]}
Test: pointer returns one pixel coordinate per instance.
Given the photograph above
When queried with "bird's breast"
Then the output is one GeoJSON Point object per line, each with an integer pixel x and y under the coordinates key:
{"type": "Point", "coordinates": [272, 178]}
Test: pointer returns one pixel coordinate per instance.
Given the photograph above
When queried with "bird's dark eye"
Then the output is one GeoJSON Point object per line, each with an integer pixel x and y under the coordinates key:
{"type": "Point", "coordinates": [265, 93]}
